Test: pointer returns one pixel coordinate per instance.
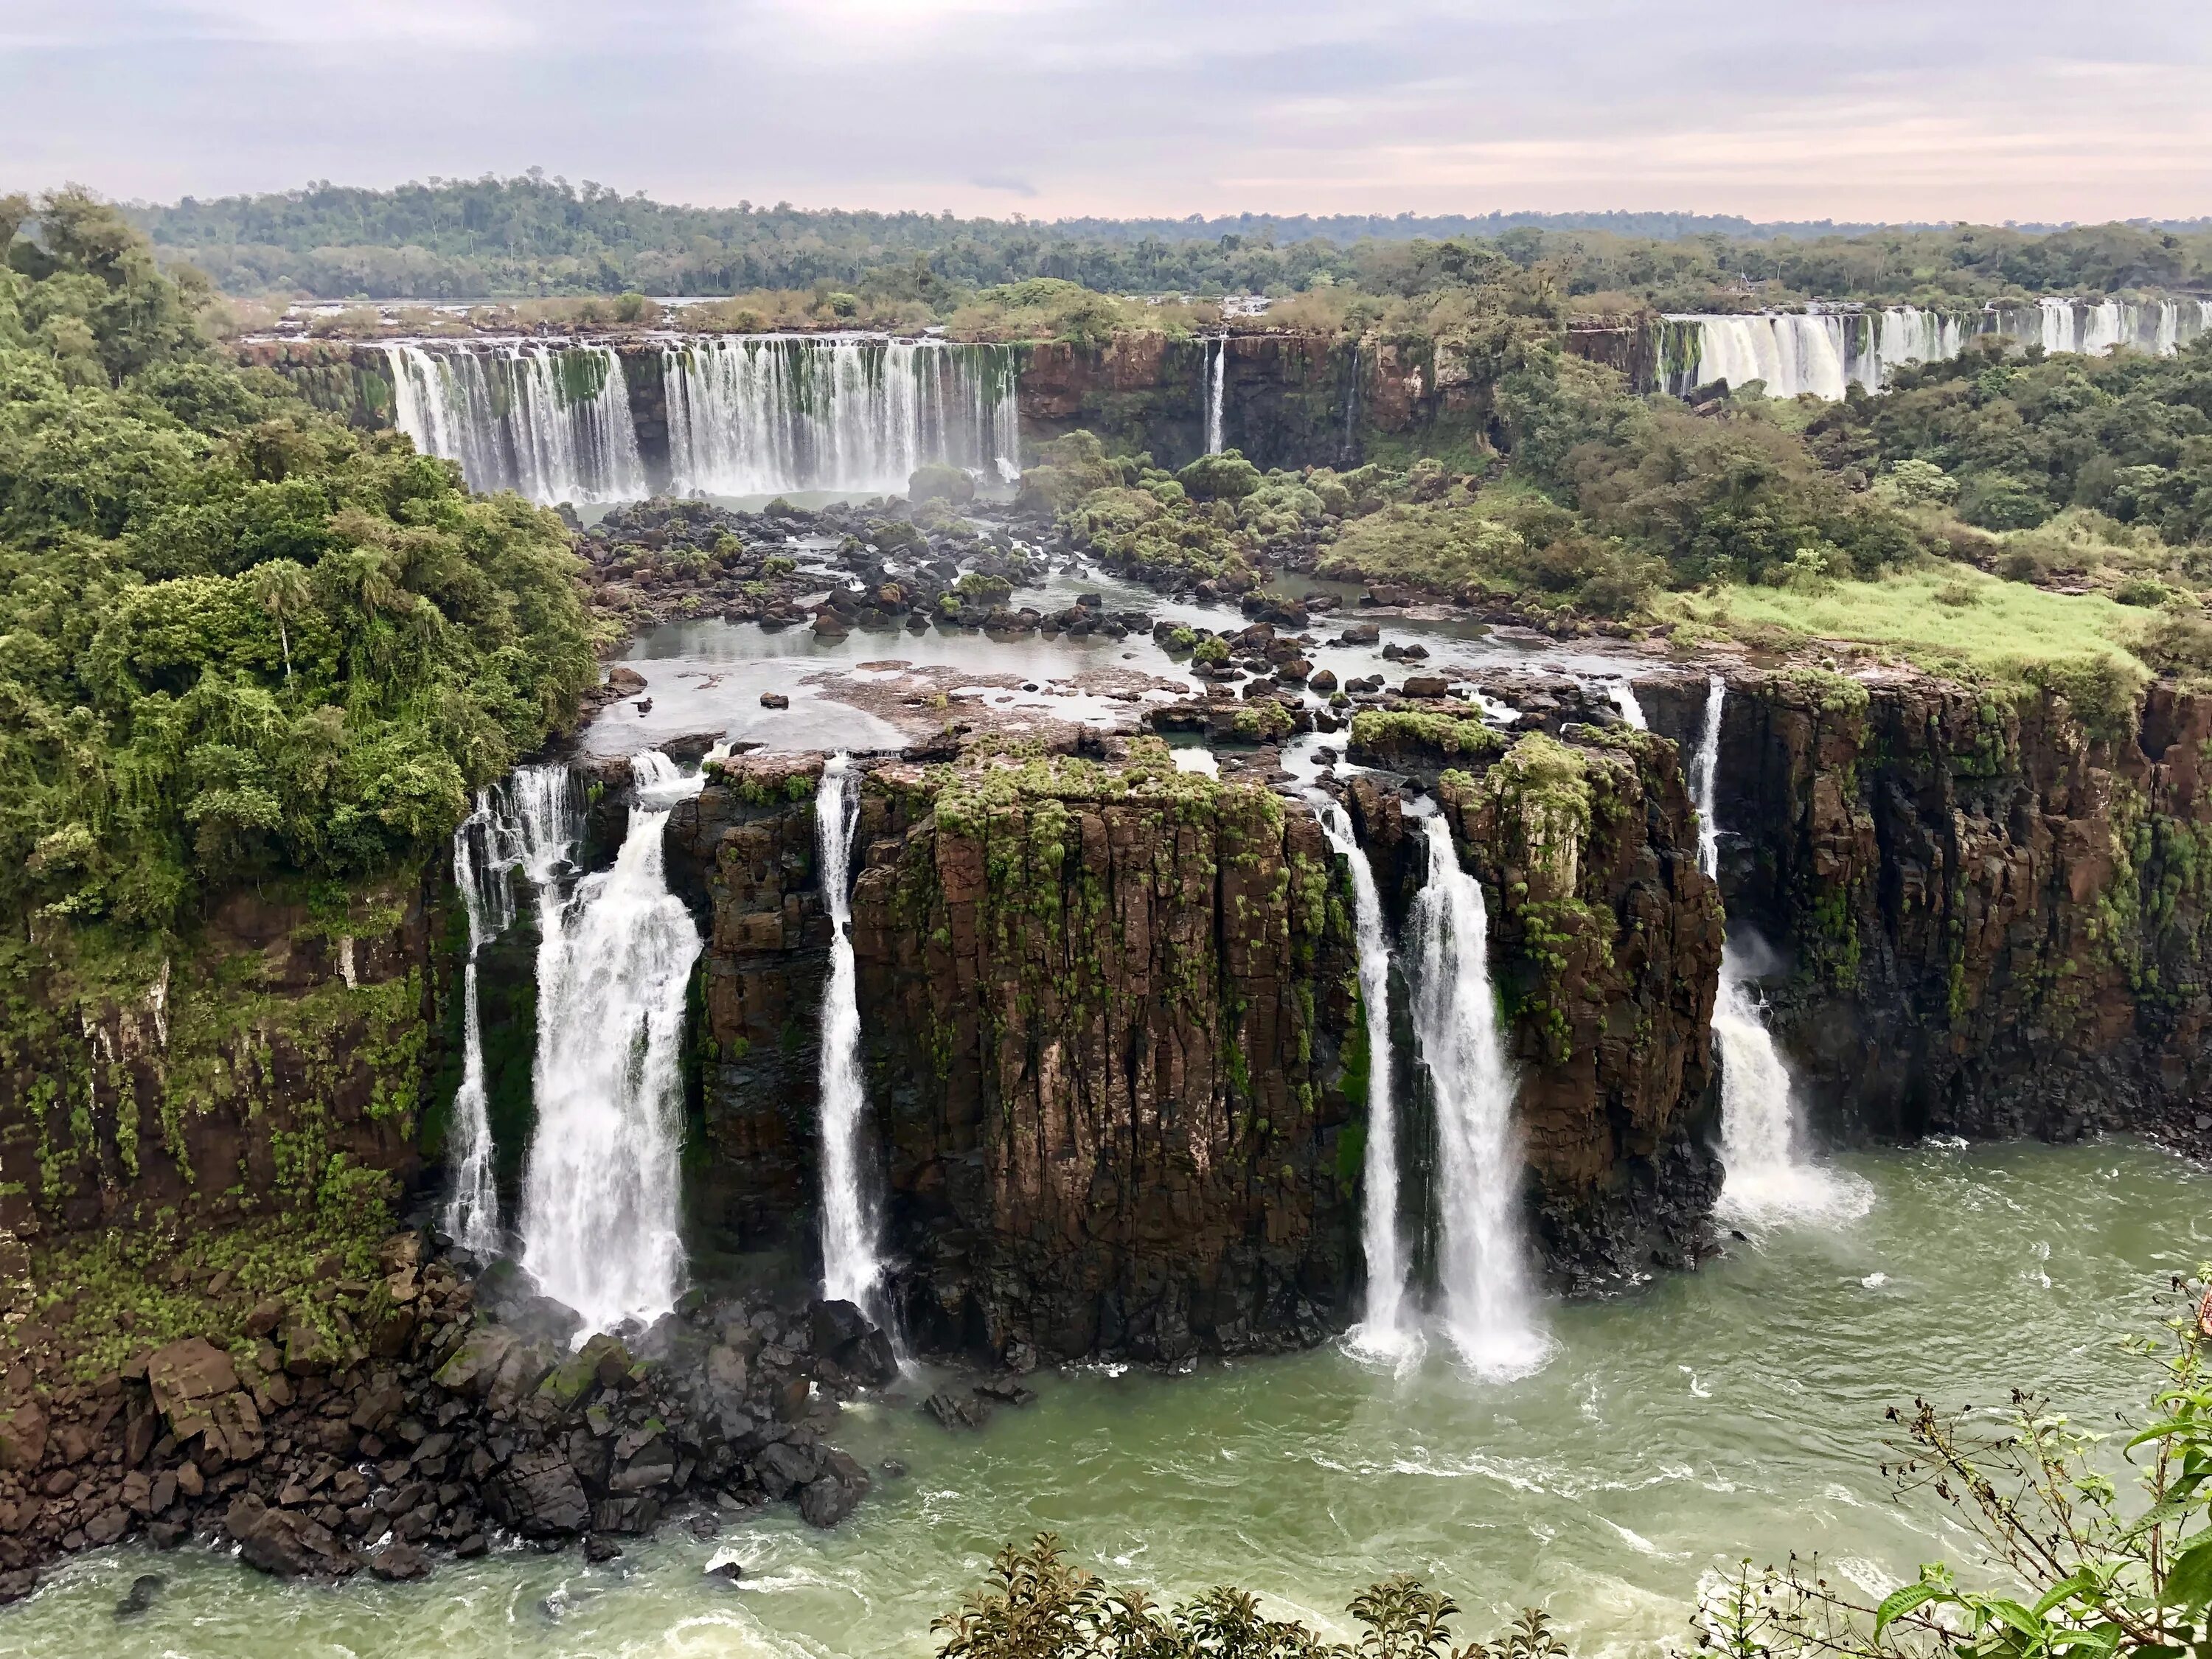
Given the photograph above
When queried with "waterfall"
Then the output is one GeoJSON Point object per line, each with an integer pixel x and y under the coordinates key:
{"type": "Point", "coordinates": [768, 414]}
{"type": "Point", "coordinates": [1216, 375]}
{"type": "Point", "coordinates": [1381, 1331]}
{"type": "Point", "coordinates": [1825, 350]}
{"type": "Point", "coordinates": [1487, 1303]}
{"type": "Point", "coordinates": [1623, 693]}
{"type": "Point", "coordinates": [550, 422]}
{"type": "Point", "coordinates": [1769, 1175]}
{"type": "Point", "coordinates": [852, 1261]}
{"type": "Point", "coordinates": [599, 1193]}
{"type": "Point", "coordinates": [1351, 409]}
{"type": "Point", "coordinates": [528, 825]}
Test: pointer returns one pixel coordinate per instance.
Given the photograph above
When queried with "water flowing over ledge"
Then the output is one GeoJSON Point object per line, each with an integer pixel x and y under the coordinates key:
{"type": "Point", "coordinates": [600, 1192]}
{"type": "Point", "coordinates": [1826, 351]}
{"type": "Point", "coordinates": [1769, 1176]}
{"type": "Point", "coordinates": [1382, 1332]}
{"type": "Point", "coordinates": [1488, 1307]}
{"type": "Point", "coordinates": [852, 1264]}
{"type": "Point", "coordinates": [584, 422]}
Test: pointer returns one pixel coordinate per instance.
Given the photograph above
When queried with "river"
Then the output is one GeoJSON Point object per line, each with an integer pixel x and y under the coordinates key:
{"type": "Point", "coordinates": [1734, 1411]}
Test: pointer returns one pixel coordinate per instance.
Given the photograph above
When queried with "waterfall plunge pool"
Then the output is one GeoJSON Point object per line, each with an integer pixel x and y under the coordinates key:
{"type": "Point", "coordinates": [1733, 1410]}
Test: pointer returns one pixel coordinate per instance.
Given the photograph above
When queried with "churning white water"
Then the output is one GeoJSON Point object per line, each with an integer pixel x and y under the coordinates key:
{"type": "Point", "coordinates": [1769, 1175]}
{"type": "Point", "coordinates": [599, 1200]}
{"type": "Point", "coordinates": [1824, 351]}
{"type": "Point", "coordinates": [1217, 372]}
{"type": "Point", "coordinates": [551, 422]}
{"type": "Point", "coordinates": [1623, 693]}
{"type": "Point", "coordinates": [528, 824]}
{"type": "Point", "coordinates": [1383, 1331]}
{"type": "Point", "coordinates": [851, 1260]}
{"type": "Point", "coordinates": [764, 413]}
{"type": "Point", "coordinates": [1488, 1309]}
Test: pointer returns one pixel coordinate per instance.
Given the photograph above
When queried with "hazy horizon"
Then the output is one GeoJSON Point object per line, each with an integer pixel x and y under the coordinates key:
{"type": "Point", "coordinates": [1055, 108]}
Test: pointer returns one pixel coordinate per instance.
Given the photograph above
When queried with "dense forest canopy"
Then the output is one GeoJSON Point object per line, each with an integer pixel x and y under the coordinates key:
{"type": "Point", "coordinates": [530, 235]}
{"type": "Point", "coordinates": [237, 639]}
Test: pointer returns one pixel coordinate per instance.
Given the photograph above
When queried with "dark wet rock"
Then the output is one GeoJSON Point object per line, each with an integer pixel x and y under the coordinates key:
{"type": "Point", "coordinates": [538, 1495]}
{"type": "Point", "coordinates": [601, 1549]}
{"type": "Point", "coordinates": [954, 1411]}
{"type": "Point", "coordinates": [1005, 1391]}
{"type": "Point", "coordinates": [400, 1561]}
{"type": "Point", "coordinates": [144, 1588]}
{"type": "Point", "coordinates": [284, 1542]}
{"type": "Point", "coordinates": [833, 1494]}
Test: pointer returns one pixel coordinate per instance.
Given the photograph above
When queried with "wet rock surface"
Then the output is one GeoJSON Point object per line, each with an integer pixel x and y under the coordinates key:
{"type": "Point", "coordinates": [460, 1417]}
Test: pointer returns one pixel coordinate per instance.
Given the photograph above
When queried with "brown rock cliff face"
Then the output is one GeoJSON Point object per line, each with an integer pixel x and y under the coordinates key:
{"type": "Point", "coordinates": [222, 1075]}
{"type": "Point", "coordinates": [1106, 1031]}
{"type": "Point", "coordinates": [1993, 920]}
{"type": "Point", "coordinates": [1604, 946]}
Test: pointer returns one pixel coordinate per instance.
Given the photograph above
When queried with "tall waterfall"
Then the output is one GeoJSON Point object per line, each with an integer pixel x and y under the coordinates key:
{"type": "Point", "coordinates": [1381, 1331]}
{"type": "Point", "coordinates": [1769, 1175]}
{"type": "Point", "coordinates": [852, 1258]}
{"type": "Point", "coordinates": [1825, 350]}
{"type": "Point", "coordinates": [529, 825]}
{"type": "Point", "coordinates": [551, 422]}
{"type": "Point", "coordinates": [1487, 1303]}
{"type": "Point", "coordinates": [599, 1193]}
{"type": "Point", "coordinates": [765, 414]}
{"type": "Point", "coordinates": [1217, 371]}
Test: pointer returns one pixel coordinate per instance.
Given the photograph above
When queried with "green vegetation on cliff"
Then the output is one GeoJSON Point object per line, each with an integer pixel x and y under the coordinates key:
{"type": "Point", "coordinates": [242, 640]}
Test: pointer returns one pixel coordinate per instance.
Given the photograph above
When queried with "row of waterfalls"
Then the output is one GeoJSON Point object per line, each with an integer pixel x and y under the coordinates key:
{"type": "Point", "coordinates": [1825, 351]}
{"type": "Point", "coordinates": [598, 1226]}
{"type": "Point", "coordinates": [752, 415]}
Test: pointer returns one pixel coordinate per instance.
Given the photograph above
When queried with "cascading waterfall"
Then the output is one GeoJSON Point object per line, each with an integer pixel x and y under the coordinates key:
{"type": "Point", "coordinates": [550, 422]}
{"type": "Point", "coordinates": [1217, 367]}
{"type": "Point", "coordinates": [1825, 350]}
{"type": "Point", "coordinates": [1769, 1175]}
{"type": "Point", "coordinates": [1351, 444]}
{"type": "Point", "coordinates": [1488, 1308]}
{"type": "Point", "coordinates": [852, 1258]}
{"type": "Point", "coordinates": [1623, 693]}
{"type": "Point", "coordinates": [529, 825]}
{"type": "Point", "coordinates": [599, 1202]}
{"type": "Point", "coordinates": [1382, 1332]}
{"type": "Point", "coordinates": [764, 415]}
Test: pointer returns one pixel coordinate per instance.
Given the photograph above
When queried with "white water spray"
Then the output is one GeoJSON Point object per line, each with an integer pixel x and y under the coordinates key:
{"type": "Point", "coordinates": [528, 824]}
{"type": "Point", "coordinates": [1488, 1307]}
{"type": "Point", "coordinates": [1623, 693]}
{"type": "Point", "coordinates": [1382, 1332]}
{"type": "Point", "coordinates": [599, 1201]}
{"type": "Point", "coordinates": [1769, 1175]}
{"type": "Point", "coordinates": [772, 413]}
{"type": "Point", "coordinates": [1217, 373]}
{"type": "Point", "coordinates": [851, 1260]}
{"type": "Point", "coordinates": [552, 422]}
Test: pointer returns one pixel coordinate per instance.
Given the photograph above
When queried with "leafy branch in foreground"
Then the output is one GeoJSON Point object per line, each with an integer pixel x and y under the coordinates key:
{"type": "Point", "coordinates": [1037, 1604]}
{"type": "Point", "coordinates": [2093, 1572]}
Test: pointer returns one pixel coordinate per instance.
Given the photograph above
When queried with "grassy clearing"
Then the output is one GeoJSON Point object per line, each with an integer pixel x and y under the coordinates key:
{"type": "Point", "coordinates": [1949, 619]}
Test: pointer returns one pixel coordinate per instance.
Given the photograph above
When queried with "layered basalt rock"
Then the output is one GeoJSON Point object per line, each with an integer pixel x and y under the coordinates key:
{"type": "Point", "coordinates": [1991, 914]}
{"type": "Point", "coordinates": [222, 1072]}
{"type": "Point", "coordinates": [1604, 946]}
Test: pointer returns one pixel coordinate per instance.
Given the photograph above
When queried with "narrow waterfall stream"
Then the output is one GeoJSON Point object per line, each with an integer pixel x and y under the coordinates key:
{"type": "Point", "coordinates": [527, 825]}
{"type": "Point", "coordinates": [1488, 1307]}
{"type": "Point", "coordinates": [1216, 370]}
{"type": "Point", "coordinates": [599, 1202]}
{"type": "Point", "coordinates": [1623, 693]}
{"type": "Point", "coordinates": [1769, 1176]}
{"type": "Point", "coordinates": [852, 1261]}
{"type": "Point", "coordinates": [1382, 1332]}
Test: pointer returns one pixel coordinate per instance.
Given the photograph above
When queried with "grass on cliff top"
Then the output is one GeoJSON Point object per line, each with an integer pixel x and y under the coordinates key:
{"type": "Point", "coordinates": [1947, 619]}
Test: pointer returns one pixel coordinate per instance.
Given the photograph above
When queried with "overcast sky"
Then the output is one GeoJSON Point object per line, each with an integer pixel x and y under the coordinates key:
{"type": "Point", "coordinates": [1852, 109]}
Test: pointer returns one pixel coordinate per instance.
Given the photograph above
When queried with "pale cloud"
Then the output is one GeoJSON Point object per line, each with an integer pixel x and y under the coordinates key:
{"type": "Point", "coordinates": [1882, 109]}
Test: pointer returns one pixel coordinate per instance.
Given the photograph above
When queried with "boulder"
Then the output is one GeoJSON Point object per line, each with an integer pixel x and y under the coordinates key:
{"type": "Point", "coordinates": [537, 1494]}
{"type": "Point", "coordinates": [1426, 685]}
{"type": "Point", "coordinates": [282, 1542]}
{"type": "Point", "coordinates": [832, 1495]}
{"type": "Point", "coordinates": [22, 1437]}
{"type": "Point", "coordinates": [187, 1372]}
{"type": "Point", "coordinates": [400, 1561]}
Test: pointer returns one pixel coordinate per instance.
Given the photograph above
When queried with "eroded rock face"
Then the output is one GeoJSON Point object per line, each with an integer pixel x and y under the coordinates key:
{"type": "Point", "coordinates": [1106, 1026]}
{"type": "Point", "coordinates": [1990, 918]}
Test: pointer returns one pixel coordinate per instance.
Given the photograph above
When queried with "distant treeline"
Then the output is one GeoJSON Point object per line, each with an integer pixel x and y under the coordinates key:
{"type": "Point", "coordinates": [532, 235]}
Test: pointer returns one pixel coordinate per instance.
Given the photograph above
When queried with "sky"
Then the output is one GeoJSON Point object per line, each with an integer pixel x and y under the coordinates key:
{"type": "Point", "coordinates": [1851, 110]}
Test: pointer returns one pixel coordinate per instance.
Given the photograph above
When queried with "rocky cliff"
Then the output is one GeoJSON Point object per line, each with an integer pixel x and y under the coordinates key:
{"type": "Point", "coordinates": [235, 1072]}
{"type": "Point", "coordinates": [1989, 910]}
